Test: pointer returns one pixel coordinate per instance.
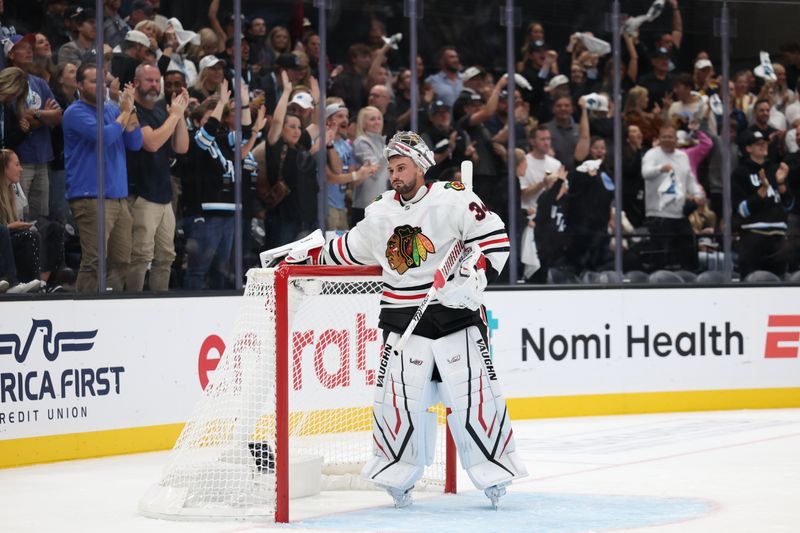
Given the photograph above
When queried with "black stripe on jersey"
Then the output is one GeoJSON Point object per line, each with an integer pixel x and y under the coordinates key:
{"type": "Point", "coordinates": [487, 235]}
{"type": "Point", "coordinates": [414, 288]}
{"type": "Point", "coordinates": [493, 250]}
{"type": "Point", "coordinates": [349, 253]}
{"type": "Point", "coordinates": [332, 254]}
{"type": "Point", "coordinates": [471, 430]}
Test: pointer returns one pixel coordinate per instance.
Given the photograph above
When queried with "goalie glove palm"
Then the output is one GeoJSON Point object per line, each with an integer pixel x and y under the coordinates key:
{"type": "Point", "coordinates": [465, 290]}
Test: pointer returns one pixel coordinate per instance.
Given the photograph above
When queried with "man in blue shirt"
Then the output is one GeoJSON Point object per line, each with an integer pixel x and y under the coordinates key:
{"type": "Point", "coordinates": [121, 131]}
{"type": "Point", "coordinates": [447, 83]}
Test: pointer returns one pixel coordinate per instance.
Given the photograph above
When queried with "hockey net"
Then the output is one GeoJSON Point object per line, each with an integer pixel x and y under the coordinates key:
{"type": "Point", "coordinates": [294, 392]}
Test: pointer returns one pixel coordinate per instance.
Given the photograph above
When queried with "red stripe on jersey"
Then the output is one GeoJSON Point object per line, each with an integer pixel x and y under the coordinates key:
{"type": "Point", "coordinates": [341, 250]}
{"type": "Point", "coordinates": [404, 296]}
{"type": "Point", "coordinates": [496, 241]}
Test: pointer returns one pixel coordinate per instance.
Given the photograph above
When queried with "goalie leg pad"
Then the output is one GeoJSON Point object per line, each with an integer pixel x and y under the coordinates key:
{"type": "Point", "coordinates": [479, 420]}
{"type": "Point", "coordinates": [402, 428]}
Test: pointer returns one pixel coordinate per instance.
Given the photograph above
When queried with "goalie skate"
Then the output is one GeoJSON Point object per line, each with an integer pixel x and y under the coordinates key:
{"type": "Point", "coordinates": [402, 498]}
{"type": "Point", "coordinates": [495, 492]}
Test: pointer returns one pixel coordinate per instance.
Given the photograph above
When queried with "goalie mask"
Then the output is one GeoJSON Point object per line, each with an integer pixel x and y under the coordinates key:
{"type": "Point", "coordinates": [411, 145]}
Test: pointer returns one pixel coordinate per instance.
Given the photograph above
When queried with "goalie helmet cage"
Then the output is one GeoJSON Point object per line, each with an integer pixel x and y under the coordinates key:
{"type": "Point", "coordinates": [232, 458]}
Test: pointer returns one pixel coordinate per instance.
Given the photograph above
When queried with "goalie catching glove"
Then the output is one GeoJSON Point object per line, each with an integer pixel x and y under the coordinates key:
{"type": "Point", "coordinates": [305, 250]}
{"type": "Point", "coordinates": [465, 290]}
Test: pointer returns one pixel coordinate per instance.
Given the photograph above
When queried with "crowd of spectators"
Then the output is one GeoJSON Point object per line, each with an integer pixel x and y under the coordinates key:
{"type": "Point", "coordinates": [169, 146]}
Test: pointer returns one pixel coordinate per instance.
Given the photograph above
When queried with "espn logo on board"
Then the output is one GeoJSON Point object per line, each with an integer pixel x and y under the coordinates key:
{"type": "Point", "coordinates": [783, 337]}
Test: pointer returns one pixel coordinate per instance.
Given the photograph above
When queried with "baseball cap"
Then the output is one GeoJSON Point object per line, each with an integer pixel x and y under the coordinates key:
{"type": "Point", "coordinates": [303, 99]}
{"type": "Point", "coordinates": [556, 81]}
{"type": "Point", "coordinates": [209, 61]}
{"type": "Point", "coordinates": [14, 40]}
{"type": "Point", "coordinates": [135, 36]}
{"type": "Point", "coordinates": [80, 14]}
{"type": "Point", "coordinates": [703, 63]}
{"type": "Point", "coordinates": [751, 137]}
{"type": "Point", "coordinates": [332, 109]}
{"type": "Point", "coordinates": [659, 52]}
{"type": "Point", "coordinates": [288, 61]}
{"type": "Point", "coordinates": [537, 45]}
{"type": "Point", "coordinates": [437, 104]}
{"type": "Point", "coordinates": [470, 73]}
{"type": "Point", "coordinates": [469, 96]}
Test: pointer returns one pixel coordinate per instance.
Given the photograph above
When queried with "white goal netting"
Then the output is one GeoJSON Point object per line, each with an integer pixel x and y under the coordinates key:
{"type": "Point", "coordinates": [224, 463]}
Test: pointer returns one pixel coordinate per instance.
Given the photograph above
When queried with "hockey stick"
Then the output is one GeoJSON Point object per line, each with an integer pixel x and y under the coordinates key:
{"type": "Point", "coordinates": [443, 271]}
{"type": "Point", "coordinates": [466, 174]}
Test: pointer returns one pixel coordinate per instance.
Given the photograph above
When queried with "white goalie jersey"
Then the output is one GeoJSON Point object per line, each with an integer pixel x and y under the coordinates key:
{"type": "Point", "coordinates": [409, 238]}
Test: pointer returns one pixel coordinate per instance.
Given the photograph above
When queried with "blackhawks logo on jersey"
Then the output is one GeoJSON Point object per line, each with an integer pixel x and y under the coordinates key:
{"type": "Point", "coordinates": [407, 248]}
{"type": "Point", "coordinates": [455, 185]}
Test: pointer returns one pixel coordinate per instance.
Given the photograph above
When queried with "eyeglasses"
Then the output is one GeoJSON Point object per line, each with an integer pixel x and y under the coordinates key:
{"type": "Point", "coordinates": [376, 95]}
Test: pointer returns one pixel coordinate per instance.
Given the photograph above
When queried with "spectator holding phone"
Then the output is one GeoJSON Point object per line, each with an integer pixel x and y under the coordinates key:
{"type": "Point", "coordinates": [37, 251]}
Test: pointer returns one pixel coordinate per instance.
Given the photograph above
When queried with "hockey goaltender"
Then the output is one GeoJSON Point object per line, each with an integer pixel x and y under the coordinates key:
{"type": "Point", "coordinates": [411, 231]}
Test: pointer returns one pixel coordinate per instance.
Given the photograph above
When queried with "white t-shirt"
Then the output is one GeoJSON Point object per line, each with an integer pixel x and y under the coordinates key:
{"type": "Point", "coordinates": [535, 173]}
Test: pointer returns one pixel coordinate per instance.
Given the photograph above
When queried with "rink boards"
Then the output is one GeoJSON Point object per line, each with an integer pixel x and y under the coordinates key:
{"type": "Point", "coordinates": [87, 378]}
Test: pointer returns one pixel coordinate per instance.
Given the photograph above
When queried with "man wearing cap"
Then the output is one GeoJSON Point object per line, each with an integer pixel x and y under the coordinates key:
{"type": "Point", "coordinates": [42, 112]}
{"type": "Point", "coordinates": [761, 201]}
{"type": "Point", "coordinates": [447, 144]}
{"type": "Point", "coordinates": [474, 78]}
{"type": "Point", "coordinates": [115, 28]}
{"type": "Point", "coordinates": [658, 82]}
{"type": "Point", "coordinates": [83, 41]}
{"type": "Point", "coordinates": [703, 77]}
{"type": "Point", "coordinates": [761, 114]}
{"type": "Point", "coordinates": [302, 104]}
{"type": "Point", "coordinates": [555, 88]}
{"type": "Point", "coordinates": [540, 66]}
{"type": "Point", "coordinates": [132, 53]}
{"type": "Point", "coordinates": [447, 83]}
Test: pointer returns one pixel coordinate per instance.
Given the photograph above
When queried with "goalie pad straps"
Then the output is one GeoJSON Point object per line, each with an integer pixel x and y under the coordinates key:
{"type": "Point", "coordinates": [403, 431]}
{"type": "Point", "coordinates": [479, 420]}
